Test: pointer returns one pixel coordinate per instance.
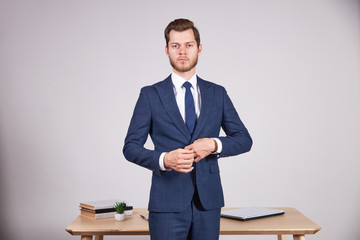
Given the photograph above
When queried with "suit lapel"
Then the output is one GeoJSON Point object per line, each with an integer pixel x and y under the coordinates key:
{"type": "Point", "coordinates": [166, 93]}
{"type": "Point", "coordinates": [207, 103]}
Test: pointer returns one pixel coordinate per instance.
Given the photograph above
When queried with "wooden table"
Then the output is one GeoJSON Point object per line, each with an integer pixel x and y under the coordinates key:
{"type": "Point", "coordinates": [291, 223]}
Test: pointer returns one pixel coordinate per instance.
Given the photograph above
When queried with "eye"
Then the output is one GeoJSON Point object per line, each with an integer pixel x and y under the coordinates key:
{"type": "Point", "coordinates": [174, 46]}
{"type": "Point", "coordinates": [189, 45]}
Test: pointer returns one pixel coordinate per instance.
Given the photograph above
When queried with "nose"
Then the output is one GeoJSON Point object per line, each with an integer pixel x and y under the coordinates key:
{"type": "Point", "coordinates": [182, 50]}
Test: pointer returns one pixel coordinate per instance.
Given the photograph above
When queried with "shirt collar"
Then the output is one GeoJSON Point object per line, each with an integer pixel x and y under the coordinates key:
{"type": "Point", "coordinates": [179, 81]}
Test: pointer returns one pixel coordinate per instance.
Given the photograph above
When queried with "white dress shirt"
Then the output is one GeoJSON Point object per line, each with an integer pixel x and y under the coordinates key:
{"type": "Point", "coordinates": [179, 92]}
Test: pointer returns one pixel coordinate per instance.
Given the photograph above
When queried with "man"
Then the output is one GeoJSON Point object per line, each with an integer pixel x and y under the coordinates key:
{"type": "Point", "coordinates": [183, 115]}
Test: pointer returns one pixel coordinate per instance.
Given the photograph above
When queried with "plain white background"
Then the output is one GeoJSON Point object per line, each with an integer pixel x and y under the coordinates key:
{"type": "Point", "coordinates": [71, 72]}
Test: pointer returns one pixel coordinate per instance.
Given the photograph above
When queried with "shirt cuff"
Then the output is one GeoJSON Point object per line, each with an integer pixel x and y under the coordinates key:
{"type": "Point", "coordinates": [219, 146]}
{"type": "Point", "coordinates": [161, 162]}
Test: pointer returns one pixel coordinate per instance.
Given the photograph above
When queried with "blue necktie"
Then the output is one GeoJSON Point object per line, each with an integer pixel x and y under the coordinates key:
{"type": "Point", "coordinates": [190, 115]}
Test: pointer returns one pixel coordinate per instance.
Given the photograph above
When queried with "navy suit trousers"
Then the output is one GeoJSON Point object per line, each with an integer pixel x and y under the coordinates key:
{"type": "Point", "coordinates": [194, 223]}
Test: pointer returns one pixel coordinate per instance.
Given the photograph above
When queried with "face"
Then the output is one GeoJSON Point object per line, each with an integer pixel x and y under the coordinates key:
{"type": "Point", "coordinates": [183, 51]}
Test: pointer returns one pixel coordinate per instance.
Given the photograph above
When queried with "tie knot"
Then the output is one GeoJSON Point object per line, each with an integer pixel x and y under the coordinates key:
{"type": "Point", "coordinates": [187, 85]}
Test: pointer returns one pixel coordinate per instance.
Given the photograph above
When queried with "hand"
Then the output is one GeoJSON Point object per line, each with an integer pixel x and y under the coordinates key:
{"type": "Point", "coordinates": [202, 148]}
{"type": "Point", "coordinates": [180, 160]}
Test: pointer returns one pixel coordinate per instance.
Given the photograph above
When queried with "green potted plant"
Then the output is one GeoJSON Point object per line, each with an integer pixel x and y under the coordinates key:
{"type": "Point", "coordinates": [120, 208]}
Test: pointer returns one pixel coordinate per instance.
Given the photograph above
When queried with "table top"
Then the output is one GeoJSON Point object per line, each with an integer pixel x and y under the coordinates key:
{"type": "Point", "coordinates": [292, 222]}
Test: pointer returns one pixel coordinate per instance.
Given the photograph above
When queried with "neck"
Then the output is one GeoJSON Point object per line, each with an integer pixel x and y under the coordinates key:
{"type": "Point", "coordinates": [185, 75]}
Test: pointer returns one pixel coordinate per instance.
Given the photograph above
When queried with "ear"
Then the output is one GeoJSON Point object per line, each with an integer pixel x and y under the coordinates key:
{"type": "Point", "coordinates": [166, 51]}
{"type": "Point", "coordinates": [199, 49]}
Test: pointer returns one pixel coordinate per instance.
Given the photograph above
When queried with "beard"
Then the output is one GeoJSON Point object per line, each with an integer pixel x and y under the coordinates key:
{"type": "Point", "coordinates": [180, 67]}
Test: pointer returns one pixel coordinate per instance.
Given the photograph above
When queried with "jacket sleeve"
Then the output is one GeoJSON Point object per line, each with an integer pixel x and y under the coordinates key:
{"type": "Point", "coordinates": [137, 135]}
{"type": "Point", "coordinates": [237, 138]}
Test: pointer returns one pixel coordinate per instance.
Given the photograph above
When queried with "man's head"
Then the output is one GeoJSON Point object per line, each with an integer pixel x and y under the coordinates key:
{"type": "Point", "coordinates": [180, 25]}
{"type": "Point", "coordinates": [182, 45]}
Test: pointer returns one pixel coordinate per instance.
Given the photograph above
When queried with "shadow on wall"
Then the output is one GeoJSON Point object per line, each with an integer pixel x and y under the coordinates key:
{"type": "Point", "coordinates": [4, 226]}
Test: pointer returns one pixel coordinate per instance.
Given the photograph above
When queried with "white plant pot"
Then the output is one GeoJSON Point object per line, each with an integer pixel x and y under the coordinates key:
{"type": "Point", "coordinates": [119, 217]}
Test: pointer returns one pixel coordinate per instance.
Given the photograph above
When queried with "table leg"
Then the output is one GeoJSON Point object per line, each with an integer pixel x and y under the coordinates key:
{"type": "Point", "coordinates": [281, 237]}
{"type": "Point", "coordinates": [84, 237]}
{"type": "Point", "coordinates": [99, 237]}
{"type": "Point", "coordinates": [299, 237]}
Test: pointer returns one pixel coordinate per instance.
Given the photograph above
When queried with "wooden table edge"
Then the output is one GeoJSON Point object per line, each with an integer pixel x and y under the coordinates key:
{"type": "Point", "coordinates": [118, 233]}
{"type": "Point", "coordinates": [227, 232]}
{"type": "Point", "coordinates": [222, 232]}
{"type": "Point", "coordinates": [274, 232]}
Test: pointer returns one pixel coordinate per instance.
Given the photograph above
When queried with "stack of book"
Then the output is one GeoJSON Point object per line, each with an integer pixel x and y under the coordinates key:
{"type": "Point", "coordinates": [98, 209]}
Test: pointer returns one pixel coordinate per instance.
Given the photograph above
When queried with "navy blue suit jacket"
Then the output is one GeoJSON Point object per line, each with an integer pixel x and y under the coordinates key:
{"type": "Point", "coordinates": [156, 113]}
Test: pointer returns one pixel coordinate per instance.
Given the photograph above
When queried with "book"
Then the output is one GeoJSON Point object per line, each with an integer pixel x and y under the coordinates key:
{"type": "Point", "coordinates": [102, 204]}
{"type": "Point", "coordinates": [105, 210]}
{"type": "Point", "coordinates": [97, 215]}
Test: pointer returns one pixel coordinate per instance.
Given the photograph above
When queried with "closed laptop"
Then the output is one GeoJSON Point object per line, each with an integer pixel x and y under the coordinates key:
{"type": "Point", "coordinates": [248, 213]}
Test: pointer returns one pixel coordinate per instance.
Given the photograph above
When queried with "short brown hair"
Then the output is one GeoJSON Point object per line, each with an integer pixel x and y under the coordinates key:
{"type": "Point", "coordinates": [181, 25]}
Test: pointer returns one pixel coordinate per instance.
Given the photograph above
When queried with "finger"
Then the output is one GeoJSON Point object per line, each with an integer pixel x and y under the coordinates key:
{"type": "Point", "coordinates": [189, 147]}
{"type": "Point", "coordinates": [188, 156]}
{"type": "Point", "coordinates": [181, 168]}
{"type": "Point", "coordinates": [198, 158]}
{"type": "Point", "coordinates": [184, 170]}
{"type": "Point", "coordinates": [185, 164]}
{"type": "Point", "coordinates": [186, 150]}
